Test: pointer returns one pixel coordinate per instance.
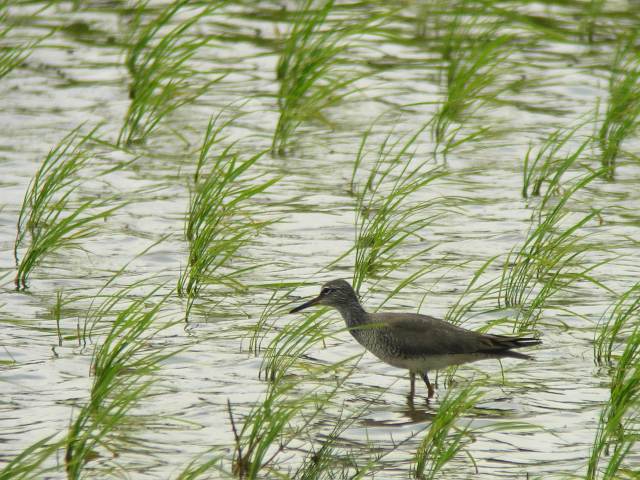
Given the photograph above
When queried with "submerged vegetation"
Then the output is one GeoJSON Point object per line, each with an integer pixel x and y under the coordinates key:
{"type": "Point", "coordinates": [516, 232]}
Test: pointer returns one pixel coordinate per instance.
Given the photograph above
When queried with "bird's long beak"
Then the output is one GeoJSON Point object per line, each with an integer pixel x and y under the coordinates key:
{"type": "Point", "coordinates": [306, 305]}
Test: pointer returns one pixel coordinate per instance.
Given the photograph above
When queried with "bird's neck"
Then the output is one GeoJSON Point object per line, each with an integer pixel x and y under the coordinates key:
{"type": "Point", "coordinates": [353, 313]}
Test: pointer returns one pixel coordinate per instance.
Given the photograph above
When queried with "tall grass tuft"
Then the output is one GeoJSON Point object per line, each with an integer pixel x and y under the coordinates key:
{"type": "Point", "coordinates": [157, 59]}
{"type": "Point", "coordinates": [310, 80]}
{"type": "Point", "coordinates": [123, 365]}
{"type": "Point", "coordinates": [549, 260]}
{"type": "Point", "coordinates": [287, 347]}
{"type": "Point", "coordinates": [547, 166]}
{"type": "Point", "coordinates": [219, 221]}
{"type": "Point", "coordinates": [622, 316]}
{"type": "Point", "coordinates": [474, 53]}
{"type": "Point", "coordinates": [388, 215]}
{"type": "Point", "coordinates": [446, 438]}
{"type": "Point", "coordinates": [623, 108]}
{"type": "Point", "coordinates": [284, 414]}
{"type": "Point", "coordinates": [50, 217]}
{"type": "Point", "coordinates": [618, 427]}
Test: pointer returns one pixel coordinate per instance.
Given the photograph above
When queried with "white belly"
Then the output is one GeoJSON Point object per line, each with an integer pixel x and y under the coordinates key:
{"type": "Point", "coordinates": [433, 362]}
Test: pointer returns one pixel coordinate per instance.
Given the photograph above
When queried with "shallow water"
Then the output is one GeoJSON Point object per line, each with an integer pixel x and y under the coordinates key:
{"type": "Point", "coordinates": [79, 77]}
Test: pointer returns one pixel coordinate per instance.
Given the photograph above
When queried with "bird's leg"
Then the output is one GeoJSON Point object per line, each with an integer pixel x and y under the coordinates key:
{"type": "Point", "coordinates": [412, 380]}
{"type": "Point", "coordinates": [430, 388]}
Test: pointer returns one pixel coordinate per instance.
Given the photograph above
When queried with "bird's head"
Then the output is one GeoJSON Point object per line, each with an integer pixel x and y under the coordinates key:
{"type": "Point", "coordinates": [335, 293]}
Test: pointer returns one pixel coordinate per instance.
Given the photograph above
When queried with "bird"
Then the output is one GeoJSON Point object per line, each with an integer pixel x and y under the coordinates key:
{"type": "Point", "coordinates": [412, 341]}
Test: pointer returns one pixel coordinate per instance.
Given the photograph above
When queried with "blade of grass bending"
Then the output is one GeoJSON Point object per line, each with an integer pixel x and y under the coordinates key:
{"type": "Point", "coordinates": [623, 107]}
{"type": "Point", "coordinates": [220, 217]}
{"type": "Point", "coordinates": [307, 68]}
{"type": "Point", "coordinates": [27, 464]}
{"type": "Point", "coordinates": [441, 445]}
{"type": "Point", "coordinates": [121, 376]}
{"type": "Point", "coordinates": [617, 427]}
{"type": "Point", "coordinates": [620, 316]}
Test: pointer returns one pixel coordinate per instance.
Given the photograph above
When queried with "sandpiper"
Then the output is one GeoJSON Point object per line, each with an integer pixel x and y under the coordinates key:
{"type": "Point", "coordinates": [413, 341]}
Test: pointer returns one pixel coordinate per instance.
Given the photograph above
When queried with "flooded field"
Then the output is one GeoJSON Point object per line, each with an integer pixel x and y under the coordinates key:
{"type": "Point", "coordinates": [176, 177]}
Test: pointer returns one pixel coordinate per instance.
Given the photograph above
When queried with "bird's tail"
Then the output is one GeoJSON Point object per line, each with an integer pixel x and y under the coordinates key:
{"type": "Point", "coordinates": [503, 344]}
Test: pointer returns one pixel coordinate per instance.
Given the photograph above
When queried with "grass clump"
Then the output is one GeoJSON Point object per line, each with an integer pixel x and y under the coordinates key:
{"type": "Point", "coordinates": [550, 259]}
{"type": "Point", "coordinates": [388, 216]}
{"type": "Point", "coordinates": [11, 56]}
{"type": "Point", "coordinates": [446, 438]}
{"type": "Point", "coordinates": [618, 427]}
{"type": "Point", "coordinates": [27, 464]}
{"type": "Point", "coordinates": [624, 314]}
{"type": "Point", "coordinates": [307, 69]}
{"type": "Point", "coordinates": [49, 216]}
{"type": "Point", "coordinates": [547, 166]}
{"type": "Point", "coordinates": [284, 415]}
{"type": "Point", "coordinates": [623, 108]}
{"type": "Point", "coordinates": [474, 53]}
{"type": "Point", "coordinates": [161, 81]}
{"type": "Point", "coordinates": [219, 221]}
{"type": "Point", "coordinates": [122, 366]}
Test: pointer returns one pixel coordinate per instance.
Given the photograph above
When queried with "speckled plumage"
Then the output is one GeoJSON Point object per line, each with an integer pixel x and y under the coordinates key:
{"type": "Point", "coordinates": [416, 342]}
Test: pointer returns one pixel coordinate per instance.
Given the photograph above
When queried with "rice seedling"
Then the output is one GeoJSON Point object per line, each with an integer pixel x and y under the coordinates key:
{"type": "Point", "coordinates": [262, 428]}
{"type": "Point", "coordinates": [262, 328]}
{"type": "Point", "coordinates": [287, 347]}
{"type": "Point", "coordinates": [618, 428]}
{"type": "Point", "coordinates": [161, 80]}
{"type": "Point", "coordinates": [387, 216]}
{"type": "Point", "coordinates": [282, 416]}
{"type": "Point", "coordinates": [623, 108]}
{"type": "Point", "coordinates": [219, 219]}
{"type": "Point", "coordinates": [623, 314]}
{"type": "Point", "coordinates": [307, 68]}
{"type": "Point", "coordinates": [446, 438]}
{"type": "Point", "coordinates": [11, 56]}
{"type": "Point", "coordinates": [475, 293]}
{"type": "Point", "coordinates": [55, 174]}
{"type": "Point", "coordinates": [122, 367]}
{"type": "Point", "coordinates": [330, 461]}
{"type": "Point", "coordinates": [27, 464]}
{"type": "Point", "coordinates": [549, 260]}
{"type": "Point", "coordinates": [201, 469]}
{"type": "Point", "coordinates": [475, 54]}
{"type": "Point", "coordinates": [545, 166]}
{"type": "Point", "coordinates": [48, 213]}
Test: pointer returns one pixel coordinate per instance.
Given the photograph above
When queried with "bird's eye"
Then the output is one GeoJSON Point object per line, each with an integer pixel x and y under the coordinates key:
{"type": "Point", "coordinates": [326, 291]}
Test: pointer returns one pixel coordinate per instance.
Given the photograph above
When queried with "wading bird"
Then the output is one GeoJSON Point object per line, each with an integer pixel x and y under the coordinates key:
{"type": "Point", "coordinates": [416, 342]}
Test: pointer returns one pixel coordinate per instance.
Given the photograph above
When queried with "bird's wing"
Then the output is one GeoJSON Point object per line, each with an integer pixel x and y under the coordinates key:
{"type": "Point", "coordinates": [424, 335]}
